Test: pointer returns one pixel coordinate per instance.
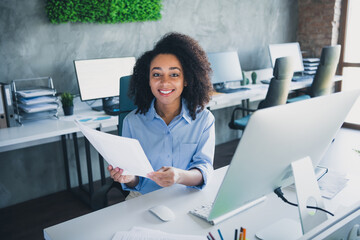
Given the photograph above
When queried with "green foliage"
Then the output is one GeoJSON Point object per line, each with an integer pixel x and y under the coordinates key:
{"type": "Point", "coordinates": [67, 99]}
{"type": "Point", "coordinates": [358, 151]}
{"type": "Point", "coordinates": [103, 11]}
{"type": "Point", "coordinates": [253, 77]}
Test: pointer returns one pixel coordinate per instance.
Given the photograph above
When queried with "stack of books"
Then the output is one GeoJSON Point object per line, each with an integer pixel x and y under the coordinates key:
{"type": "Point", "coordinates": [310, 65]}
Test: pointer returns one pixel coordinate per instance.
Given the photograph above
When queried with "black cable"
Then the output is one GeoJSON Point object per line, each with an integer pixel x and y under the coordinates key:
{"type": "Point", "coordinates": [280, 194]}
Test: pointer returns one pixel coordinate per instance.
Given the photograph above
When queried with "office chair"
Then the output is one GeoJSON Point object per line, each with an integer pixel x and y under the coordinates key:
{"type": "Point", "coordinates": [325, 73]}
{"type": "Point", "coordinates": [276, 95]}
{"type": "Point", "coordinates": [126, 105]}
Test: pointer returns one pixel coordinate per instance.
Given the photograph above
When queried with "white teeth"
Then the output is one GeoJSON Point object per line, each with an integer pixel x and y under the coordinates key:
{"type": "Point", "coordinates": [166, 92]}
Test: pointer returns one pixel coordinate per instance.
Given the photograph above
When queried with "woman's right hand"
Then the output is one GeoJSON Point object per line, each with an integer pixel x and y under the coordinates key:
{"type": "Point", "coordinates": [117, 176]}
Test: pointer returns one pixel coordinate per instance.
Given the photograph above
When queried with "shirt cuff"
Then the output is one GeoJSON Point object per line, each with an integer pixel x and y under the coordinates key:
{"type": "Point", "coordinates": [136, 188]}
{"type": "Point", "coordinates": [206, 173]}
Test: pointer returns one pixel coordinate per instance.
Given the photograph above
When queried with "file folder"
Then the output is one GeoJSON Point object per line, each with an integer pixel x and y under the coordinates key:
{"type": "Point", "coordinates": [3, 123]}
{"type": "Point", "coordinates": [8, 105]}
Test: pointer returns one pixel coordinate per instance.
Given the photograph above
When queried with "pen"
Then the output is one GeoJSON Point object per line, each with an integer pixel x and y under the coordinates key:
{"type": "Point", "coordinates": [221, 237]}
{"type": "Point", "coordinates": [244, 233]}
{"type": "Point", "coordinates": [208, 237]}
{"type": "Point", "coordinates": [103, 118]}
{"type": "Point", "coordinates": [235, 238]}
{"type": "Point", "coordinates": [212, 237]}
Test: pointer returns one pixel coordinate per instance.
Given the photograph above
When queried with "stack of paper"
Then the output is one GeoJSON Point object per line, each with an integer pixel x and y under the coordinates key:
{"type": "Point", "coordinates": [138, 233]}
{"type": "Point", "coordinates": [331, 184]}
{"type": "Point", "coordinates": [36, 92]}
{"type": "Point", "coordinates": [41, 101]}
{"type": "Point", "coordinates": [311, 65]}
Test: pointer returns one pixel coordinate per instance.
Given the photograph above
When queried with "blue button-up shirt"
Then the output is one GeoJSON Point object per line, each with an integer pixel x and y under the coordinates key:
{"type": "Point", "coordinates": [184, 143]}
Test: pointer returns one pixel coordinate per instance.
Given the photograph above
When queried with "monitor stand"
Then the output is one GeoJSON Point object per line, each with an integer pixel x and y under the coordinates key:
{"type": "Point", "coordinates": [109, 104]}
{"type": "Point", "coordinates": [308, 194]}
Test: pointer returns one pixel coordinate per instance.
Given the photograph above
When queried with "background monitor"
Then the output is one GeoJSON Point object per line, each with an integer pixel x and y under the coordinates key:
{"type": "Point", "coordinates": [99, 78]}
{"type": "Point", "coordinates": [226, 67]}
{"type": "Point", "coordinates": [286, 50]}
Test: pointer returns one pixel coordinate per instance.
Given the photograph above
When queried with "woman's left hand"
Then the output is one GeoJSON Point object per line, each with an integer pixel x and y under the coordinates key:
{"type": "Point", "coordinates": [165, 176]}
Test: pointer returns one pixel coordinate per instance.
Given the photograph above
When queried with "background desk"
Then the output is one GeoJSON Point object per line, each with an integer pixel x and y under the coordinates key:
{"type": "Point", "coordinates": [104, 223]}
{"type": "Point", "coordinates": [257, 92]}
{"type": "Point", "coordinates": [35, 133]}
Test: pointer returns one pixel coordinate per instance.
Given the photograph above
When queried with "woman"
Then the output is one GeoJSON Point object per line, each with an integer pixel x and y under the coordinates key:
{"type": "Point", "coordinates": [170, 87]}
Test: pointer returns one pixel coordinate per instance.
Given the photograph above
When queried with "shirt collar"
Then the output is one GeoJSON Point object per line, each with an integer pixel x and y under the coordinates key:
{"type": "Point", "coordinates": [151, 114]}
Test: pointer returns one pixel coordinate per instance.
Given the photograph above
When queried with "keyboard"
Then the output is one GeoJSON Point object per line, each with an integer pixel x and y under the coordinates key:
{"type": "Point", "coordinates": [294, 79]}
{"type": "Point", "coordinates": [302, 78]}
{"type": "Point", "coordinates": [232, 90]}
{"type": "Point", "coordinates": [202, 211]}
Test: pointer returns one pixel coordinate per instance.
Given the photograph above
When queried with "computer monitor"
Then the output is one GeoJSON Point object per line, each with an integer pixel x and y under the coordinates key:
{"type": "Point", "coordinates": [273, 139]}
{"type": "Point", "coordinates": [285, 50]}
{"type": "Point", "coordinates": [99, 78]}
{"type": "Point", "coordinates": [226, 67]}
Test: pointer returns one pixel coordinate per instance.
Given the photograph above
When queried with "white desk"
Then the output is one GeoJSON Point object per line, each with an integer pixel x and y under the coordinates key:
{"type": "Point", "coordinates": [103, 224]}
{"type": "Point", "coordinates": [47, 130]}
{"type": "Point", "coordinates": [33, 133]}
{"type": "Point", "coordinates": [256, 92]}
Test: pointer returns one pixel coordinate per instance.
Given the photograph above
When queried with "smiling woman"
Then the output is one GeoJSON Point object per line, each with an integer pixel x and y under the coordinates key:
{"type": "Point", "coordinates": [167, 84]}
{"type": "Point", "coordinates": [170, 87]}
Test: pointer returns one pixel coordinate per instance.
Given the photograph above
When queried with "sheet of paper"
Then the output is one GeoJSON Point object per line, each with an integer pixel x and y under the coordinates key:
{"type": "Point", "coordinates": [138, 233]}
{"type": "Point", "coordinates": [331, 184]}
{"type": "Point", "coordinates": [122, 152]}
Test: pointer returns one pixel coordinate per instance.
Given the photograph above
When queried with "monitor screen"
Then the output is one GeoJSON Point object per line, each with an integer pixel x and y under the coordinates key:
{"type": "Point", "coordinates": [274, 138]}
{"type": "Point", "coordinates": [226, 67]}
{"type": "Point", "coordinates": [99, 78]}
{"type": "Point", "coordinates": [286, 50]}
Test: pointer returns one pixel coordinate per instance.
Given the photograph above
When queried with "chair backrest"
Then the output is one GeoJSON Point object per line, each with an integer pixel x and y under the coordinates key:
{"type": "Point", "coordinates": [326, 71]}
{"type": "Point", "coordinates": [278, 91]}
{"type": "Point", "coordinates": [125, 102]}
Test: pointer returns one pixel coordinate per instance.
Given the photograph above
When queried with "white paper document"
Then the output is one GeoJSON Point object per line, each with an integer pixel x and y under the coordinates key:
{"type": "Point", "coordinates": [331, 184]}
{"type": "Point", "coordinates": [36, 92]}
{"type": "Point", "coordinates": [38, 107]}
{"type": "Point", "coordinates": [122, 152]}
{"type": "Point", "coordinates": [138, 233]}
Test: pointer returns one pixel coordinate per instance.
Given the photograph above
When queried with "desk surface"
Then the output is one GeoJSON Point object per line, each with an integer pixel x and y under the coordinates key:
{"type": "Point", "coordinates": [103, 224]}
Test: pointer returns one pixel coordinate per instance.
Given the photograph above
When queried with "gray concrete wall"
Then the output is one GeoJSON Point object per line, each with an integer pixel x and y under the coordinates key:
{"type": "Point", "coordinates": [30, 46]}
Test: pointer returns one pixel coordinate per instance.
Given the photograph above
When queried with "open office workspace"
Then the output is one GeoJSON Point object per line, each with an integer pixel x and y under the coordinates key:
{"type": "Point", "coordinates": [262, 54]}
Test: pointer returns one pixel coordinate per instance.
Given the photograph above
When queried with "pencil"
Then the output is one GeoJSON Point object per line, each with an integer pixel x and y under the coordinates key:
{"type": "Point", "coordinates": [244, 233]}
{"type": "Point", "coordinates": [221, 237]}
{"type": "Point", "coordinates": [212, 237]}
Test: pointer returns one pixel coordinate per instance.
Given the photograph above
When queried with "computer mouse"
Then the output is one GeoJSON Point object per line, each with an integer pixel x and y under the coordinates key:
{"type": "Point", "coordinates": [163, 212]}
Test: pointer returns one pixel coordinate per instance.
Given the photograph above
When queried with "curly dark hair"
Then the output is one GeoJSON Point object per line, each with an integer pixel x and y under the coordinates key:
{"type": "Point", "coordinates": [196, 69]}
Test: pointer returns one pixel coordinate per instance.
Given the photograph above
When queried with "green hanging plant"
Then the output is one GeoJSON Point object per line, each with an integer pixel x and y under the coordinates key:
{"type": "Point", "coordinates": [103, 11]}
